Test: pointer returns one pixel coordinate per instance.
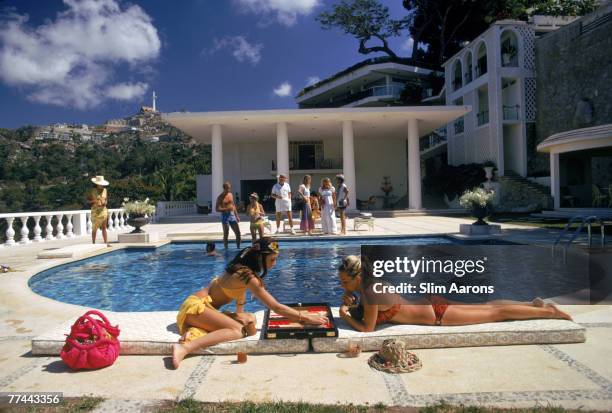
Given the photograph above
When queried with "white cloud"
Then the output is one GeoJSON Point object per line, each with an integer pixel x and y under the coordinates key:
{"type": "Point", "coordinates": [240, 47]}
{"type": "Point", "coordinates": [72, 60]}
{"type": "Point", "coordinates": [285, 11]}
{"type": "Point", "coordinates": [311, 80]}
{"type": "Point", "coordinates": [407, 45]}
{"type": "Point", "coordinates": [127, 91]}
{"type": "Point", "coordinates": [283, 90]}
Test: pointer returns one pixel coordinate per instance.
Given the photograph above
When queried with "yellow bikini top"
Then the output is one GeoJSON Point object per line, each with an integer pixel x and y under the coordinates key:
{"type": "Point", "coordinates": [244, 274]}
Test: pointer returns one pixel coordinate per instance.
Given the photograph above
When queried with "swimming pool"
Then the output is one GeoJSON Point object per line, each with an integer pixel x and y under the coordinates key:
{"type": "Point", "coordinates": [160, 279]}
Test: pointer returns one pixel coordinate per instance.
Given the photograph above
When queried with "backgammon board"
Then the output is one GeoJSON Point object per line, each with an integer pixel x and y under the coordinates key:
{"type": "Point", "coordinates": [276, 326]}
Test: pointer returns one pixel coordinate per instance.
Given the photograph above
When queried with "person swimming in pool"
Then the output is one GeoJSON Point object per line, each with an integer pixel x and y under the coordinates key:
{"type": "Point", "coordinates": [211, 250]}
{"type": "Point", "coordinates": [435, 310]}
{"type": "Point", "coordinates": [199, 320]}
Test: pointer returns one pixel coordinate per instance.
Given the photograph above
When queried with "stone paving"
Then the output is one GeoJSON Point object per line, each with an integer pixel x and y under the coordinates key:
{"type": "Point", "coordinates": [571, 375]}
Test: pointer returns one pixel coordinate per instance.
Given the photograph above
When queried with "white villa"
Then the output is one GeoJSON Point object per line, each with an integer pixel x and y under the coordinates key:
{"type": "Point", "coordinates": [373, 82]}
{"type": "Point", "coordinates": [495, 75]}
{"type": "Point", "coordinates": [249, 148]}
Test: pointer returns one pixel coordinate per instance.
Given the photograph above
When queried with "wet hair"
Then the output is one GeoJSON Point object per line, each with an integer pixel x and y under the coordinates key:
{"type": "Point", "coordinates": [210, 246]}
{"type": "Point", "coordinates": [351, 265]}
{"type": "Point", "coordinates": [253, 257]}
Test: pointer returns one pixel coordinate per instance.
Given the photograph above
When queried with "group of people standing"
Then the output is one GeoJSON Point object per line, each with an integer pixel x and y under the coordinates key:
{"type": "Point", "coordinates": [313, 205]}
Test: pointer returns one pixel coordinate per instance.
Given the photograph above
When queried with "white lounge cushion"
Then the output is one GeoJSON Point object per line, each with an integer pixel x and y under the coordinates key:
{"type": "Point", "coordinates": [489, 334]}
{"type": "Point", "coordinates": [156, 332]}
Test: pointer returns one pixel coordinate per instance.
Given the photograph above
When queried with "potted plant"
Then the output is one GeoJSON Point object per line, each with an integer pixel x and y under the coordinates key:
{"type": "Point", "coordinates": [508, 52]}
{"type": "Point", "coordinates": [479, 202]}
{"type": "Point", "coordinates": [139, 213]}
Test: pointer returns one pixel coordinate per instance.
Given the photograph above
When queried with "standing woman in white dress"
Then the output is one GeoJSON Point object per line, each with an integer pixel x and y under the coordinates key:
{"type": "Point", "coordinates": [307, 222]}
{"type": "Point", "coordinates": [328, 206]}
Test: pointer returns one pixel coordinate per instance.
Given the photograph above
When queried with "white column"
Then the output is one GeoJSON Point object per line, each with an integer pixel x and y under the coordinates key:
{"type": "Point", "coordinates": [414, 165]}
{"type": "Point", "coordinates": [216, 165]}
{"type": "Point", "coordinates": [555, 186]}
{"type": "Point", "coordinates": [348, 162]}
{"type": "Point", "coordinates": [282, 149]}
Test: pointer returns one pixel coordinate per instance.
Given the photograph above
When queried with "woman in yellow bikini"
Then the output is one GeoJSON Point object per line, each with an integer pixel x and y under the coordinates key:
{"type": "Point", "coordinates": [256, 214]}
{"type": "Point", "coordinates": [202, 324]}
{"type": "Point", "coordinates": [99, 214]}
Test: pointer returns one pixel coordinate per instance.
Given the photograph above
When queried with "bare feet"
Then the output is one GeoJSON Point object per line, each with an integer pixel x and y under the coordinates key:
{"type": "Point", "coordinates": [178, 354]}
{"type": "Point", "coordinates": [558, 313]}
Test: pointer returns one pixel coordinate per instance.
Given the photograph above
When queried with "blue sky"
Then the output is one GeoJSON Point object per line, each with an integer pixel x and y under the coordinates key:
{"type": "Point", "coordinates": [92, 60]}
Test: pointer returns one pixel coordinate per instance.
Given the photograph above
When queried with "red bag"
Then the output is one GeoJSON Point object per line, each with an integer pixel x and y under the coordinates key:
{"type": "Point", "coordinates": [92, 343]}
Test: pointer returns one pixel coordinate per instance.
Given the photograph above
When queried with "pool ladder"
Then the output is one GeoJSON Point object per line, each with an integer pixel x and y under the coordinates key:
{"type": "Point", "coordinates": [588, 221]}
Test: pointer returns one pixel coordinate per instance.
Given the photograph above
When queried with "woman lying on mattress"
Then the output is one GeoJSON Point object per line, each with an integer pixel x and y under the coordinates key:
{"type": "Point", "coordinates": [432, 311]}
{"type": "Point", "coordinates": [202, 324]}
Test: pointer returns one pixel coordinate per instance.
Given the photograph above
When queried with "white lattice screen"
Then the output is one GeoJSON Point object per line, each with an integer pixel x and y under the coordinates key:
{"type": "Point", "coordinates": [530, 99]}
{"type": "Point", "coordinates": [528, 36]}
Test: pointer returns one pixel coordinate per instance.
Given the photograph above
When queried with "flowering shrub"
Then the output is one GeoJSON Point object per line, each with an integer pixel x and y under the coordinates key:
{"type": "Point", "coordinates": [476, 198]}
{"type": "Point", "coordinates": [138, 207]}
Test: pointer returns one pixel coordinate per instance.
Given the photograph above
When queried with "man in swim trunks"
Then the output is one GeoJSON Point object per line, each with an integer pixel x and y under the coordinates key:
{"type": "Point", "coordinates": [229, 215]}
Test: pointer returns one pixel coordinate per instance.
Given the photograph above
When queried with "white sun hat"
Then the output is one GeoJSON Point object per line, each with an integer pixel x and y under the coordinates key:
{"type": "Point", "coordinates": [99, 180]}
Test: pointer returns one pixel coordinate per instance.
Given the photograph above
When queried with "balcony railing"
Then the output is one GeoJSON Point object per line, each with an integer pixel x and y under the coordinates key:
{"type": "Point", "coordinates": [482, 117]}
{"type": "Point", "coordinates": [459, 126]}
{"type": "Point", "coordinates": [468, 76]}
{"type": "Point", "coordinates": [481, 68]}
{"type": "Point", "coordinates": [511, 112]}
{"type": "Point", "coordinates": [433, 139]}
{"type": "Point", "coordinates": [55, 225]}
{"type": "Point", "coordinates": [393, 90]}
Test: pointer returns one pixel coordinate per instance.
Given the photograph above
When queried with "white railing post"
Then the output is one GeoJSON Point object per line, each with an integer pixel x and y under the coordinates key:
{"type": "Point", "coordinates": [69, 226]}
{"type": "Point", "coordinates": [25, 232]}
{"type": "Point", "coordinates": [10, 232]}
{"type": "Point", "coordinates": [80, 224]}
{"type": "Point", "coordinates": [59, 227]}
{"type": "Point", "coordinates": [89, 224]}
{"type": "Point", "coordinates": [121, 220]}
{"type": "Point", "coordinates": [49, 228]}
{"type": "Point", "coordinates": [37, 229]}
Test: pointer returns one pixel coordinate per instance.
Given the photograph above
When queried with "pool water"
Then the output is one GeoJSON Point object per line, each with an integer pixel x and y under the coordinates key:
{"type": "Point", "coordinates": [160, 279]}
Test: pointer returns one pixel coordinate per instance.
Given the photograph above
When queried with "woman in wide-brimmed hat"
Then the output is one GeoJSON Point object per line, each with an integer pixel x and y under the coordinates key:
{"type": "Point", "coordinates": [98, 198]}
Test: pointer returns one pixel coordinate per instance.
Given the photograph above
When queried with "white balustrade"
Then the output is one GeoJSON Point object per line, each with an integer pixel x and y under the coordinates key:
{"type": "Point", "coordinates": [37, 229]}
{"type": "Point", "coordinates": [49, 228]}
{"type": "Point", "coordinates": [25, 239]}
{"type": "Point", "coordinates": [174, 208]}
{"type": "Point", "coordinates": [78, 223]}
{"type": "Point", "coordinates": [69, 226]}
{"type": "Point", "coordinates": [10, 232]}
{"type": "Point", "coordinates": [59, 227]}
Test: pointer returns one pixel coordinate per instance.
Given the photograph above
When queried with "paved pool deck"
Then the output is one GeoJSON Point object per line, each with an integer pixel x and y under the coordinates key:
{"type": "Point", "coordinates": [570, 375]}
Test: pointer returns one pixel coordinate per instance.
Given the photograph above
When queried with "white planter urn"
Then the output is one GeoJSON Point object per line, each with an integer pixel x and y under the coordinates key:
{"type": "Point", "coordinates": [489, 175]}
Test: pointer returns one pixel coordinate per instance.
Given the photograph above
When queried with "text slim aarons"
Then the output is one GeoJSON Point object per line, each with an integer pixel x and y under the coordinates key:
{"type": "Point", "coordinates": [412, 267]}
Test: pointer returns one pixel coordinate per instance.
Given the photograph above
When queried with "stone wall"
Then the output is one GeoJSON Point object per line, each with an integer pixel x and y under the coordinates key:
{"type": "Point", "coordinates": [574, 79]}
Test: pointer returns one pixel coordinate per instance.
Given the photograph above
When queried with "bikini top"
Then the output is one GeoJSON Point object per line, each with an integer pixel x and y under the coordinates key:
{"type": "Point", "coordinates": [244, 274]}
